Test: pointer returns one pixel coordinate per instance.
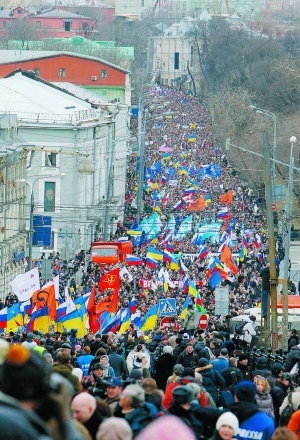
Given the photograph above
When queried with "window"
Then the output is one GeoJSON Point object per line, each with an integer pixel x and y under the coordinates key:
{"type": "Point", "coordinates": [20, 11]}
{"type": "Point", "coordinates": [49, 197]}
{"type": "Point", "coordinates": [62, 72]}
{"type": "Point", "coordinates": [176, 60]}
{"type": "Point", "coordinates": [67, 26]}
{"type": "Point", "coordinates": [50, 159]}
{"type": "Point", "coordinates": [38, 24]}
{"type": "Point", "coordinates": [142, 3]}
{"type": "Point", "coordinates": [36, 71]}
{"type": "Point", "coordinates": [4, 24]}
{"type": "Point", "coordinates": [103, 73]}
{"type": "Point", "coordinates": [85, 26]}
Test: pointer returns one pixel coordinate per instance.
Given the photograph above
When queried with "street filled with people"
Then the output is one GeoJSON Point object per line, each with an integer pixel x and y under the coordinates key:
{"type": "Point", "coordinates": [137, 349]}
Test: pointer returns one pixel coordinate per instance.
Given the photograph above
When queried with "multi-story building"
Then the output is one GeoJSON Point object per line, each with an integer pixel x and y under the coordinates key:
{"type": "Point", "coordinates": [12, 202]}
{"type": "Point", "coordinates": [134, 9]}
{"type": "Point", "coordinates": [72, 157]}
{"type": "Point", "coordinates": [278, 5]}
{"type": "Point", "coordinates": [43, 23]}
{"type": "Point", "coordinates": [174, 55]}
{"type": "Point", "coordinates": [89, 72]}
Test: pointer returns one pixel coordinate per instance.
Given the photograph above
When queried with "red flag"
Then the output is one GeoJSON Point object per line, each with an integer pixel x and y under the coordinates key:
{"type": "Point", "coordinates": [227, 198]}
{"type": "Point", "coordinates": [92, 311]}
{"type": "Point", "coordinates": [46, 297]}
{"type": "Point", "coordinates": [197, 205]}
{"type": "Point", "coordinates": [111, 280]}
{"type": "Point", "coordinates": [109, 303]}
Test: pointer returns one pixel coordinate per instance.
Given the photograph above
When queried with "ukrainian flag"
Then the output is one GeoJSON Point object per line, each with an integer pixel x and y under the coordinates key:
{"type": "Point", "coordinates": [125, 321]}
{"type": "Point", "coordinates": [154, 253]}
{"type": "Point", "coordinates": [192, 289]}
{"type": "Point", "coordinates": [39, 320]}
{"type": "Point", "coordinates": [169, 115]}
{"type": "Point", "coordinates": [14, 317]}
{"type": "Point", "coordinates": [149, 320]}
{"type": "Point", "coordinates": [174, 265]}
{"type": "Point", "coordinates": [185, 307]}
{"type": "Point", "coordinates": [74, 319]}
{"type": "Point", "coordinates": [135, 232]}
{"type": "Point", "coordinates": [166, 156]}
{"type": "Point", "coordinates": [207, 199]}
{"type": "Point", "coordinates": [192, 138]}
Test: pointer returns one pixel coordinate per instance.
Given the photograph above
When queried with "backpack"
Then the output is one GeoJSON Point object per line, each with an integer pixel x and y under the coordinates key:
{"type": "Point", "coordinates": [287, 412]}
{"type": "Point", "coordinates": [239, 328]}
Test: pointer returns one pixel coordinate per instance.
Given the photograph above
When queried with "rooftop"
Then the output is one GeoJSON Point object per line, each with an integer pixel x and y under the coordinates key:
{"type": "Point", "coordinates": [15, 56]}
{"type": "Point", "coordinates": [37, 101]}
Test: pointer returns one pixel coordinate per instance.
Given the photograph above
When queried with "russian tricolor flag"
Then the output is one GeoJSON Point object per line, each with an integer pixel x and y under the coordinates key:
{"type": "Point", "coordinates": [189, 190]}
{"type": "Point", "coordinates": [133, 261]}
{"type": "Point", "coordinates": [151, 262]}
{"type": "Point", "coordinates": [223, 213]}
{"type": "Point", "coordinates": [167, 256]}
{"type": "Point", "coordinates": [185, 286]}
{"type": "Point", "coordinates": [178, 205]}
{"type": "Point", "coordinates": [257, 241]}
{"type": "Point", "coordinates": [203, 254]}
{"type": "Point", "coordinates": [163, 180]}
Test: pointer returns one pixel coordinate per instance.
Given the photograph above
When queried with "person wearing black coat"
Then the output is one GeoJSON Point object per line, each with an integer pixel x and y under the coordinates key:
{"type": "Point", "coordinates": [292, 358]}
{"type": "Point", "coordinates": [188, 358]}
{"type": "Point", "coordinates": [279, 393]}
{"type": "Point", "coordinates": [180, 346]}
{"type": "Point", "coordinates": [262, 364]}
{"type": "Point", "coordinates": [211, 379]}
{"type": "Point", "coordinates": [244, 367]}
{"type": "Point", "coordinates": [164, 367]}
{"type": "Point", "coordinates": [232, 375]}
{"type": "Point", "coordinates": [293, 339]}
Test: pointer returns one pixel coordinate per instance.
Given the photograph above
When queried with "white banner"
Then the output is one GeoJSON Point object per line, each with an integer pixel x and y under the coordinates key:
{"type": "Point", "coordinates": [24, 285]}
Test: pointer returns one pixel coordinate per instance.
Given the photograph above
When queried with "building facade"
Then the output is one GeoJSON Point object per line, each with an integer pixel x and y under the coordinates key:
{"type": "Point", "coordinates": [43, 23]}
{"type": "Point", "coordinates": [90, 72]}
{"type": "Point", "coordinates": [13, 235]}
{"type": "Point", "coordinates": [174, 55]}
{"type": "Point", "coordinates": [71, 157]}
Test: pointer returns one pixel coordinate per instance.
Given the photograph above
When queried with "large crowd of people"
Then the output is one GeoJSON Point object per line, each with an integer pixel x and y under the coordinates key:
{"type": "Point", "coordinates": [173, 379]}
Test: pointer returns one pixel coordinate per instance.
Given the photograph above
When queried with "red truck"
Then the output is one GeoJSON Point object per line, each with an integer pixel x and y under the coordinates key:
{"type": "Point", "coordinates": [105, 253]}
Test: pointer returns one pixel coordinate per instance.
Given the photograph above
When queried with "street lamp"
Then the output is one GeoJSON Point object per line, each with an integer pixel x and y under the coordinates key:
{"type": "Point", "coordinates": [287, 238]}
{"type": "Point", "coordinates": [274, 119]}
{"type": "Point", "coordinates": [31, 186]}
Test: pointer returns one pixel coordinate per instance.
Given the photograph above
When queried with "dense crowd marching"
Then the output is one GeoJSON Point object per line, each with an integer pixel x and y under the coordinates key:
{"type": "Point", "coordinates": [166, 381]}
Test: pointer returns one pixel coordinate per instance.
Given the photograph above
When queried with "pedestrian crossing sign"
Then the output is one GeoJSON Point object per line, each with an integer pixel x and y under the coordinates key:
{"type": "Point", "coordinates": [167, 307]}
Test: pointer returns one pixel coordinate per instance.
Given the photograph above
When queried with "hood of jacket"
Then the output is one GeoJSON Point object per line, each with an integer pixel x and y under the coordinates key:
{"type": "Point", "coordinates": [207, 367]}
{"type": "Point", "coordinates": [243, 410]}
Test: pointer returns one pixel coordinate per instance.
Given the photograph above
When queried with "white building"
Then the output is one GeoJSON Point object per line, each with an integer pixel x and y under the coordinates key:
{"type": "Point", "coordinates": [175, 56]}
{"type": "Point", "coordinates": [12, 202]}
{"type": "Point", "coordinates": [66, 135]}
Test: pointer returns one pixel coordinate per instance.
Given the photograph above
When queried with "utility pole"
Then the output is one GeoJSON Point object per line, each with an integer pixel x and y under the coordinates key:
{"type": "Point", "coordinates": [287, 238]}
{"type": "Point", "coordinates": [141, 137]}
{"type": "Point", "coordinates": [270, 224]}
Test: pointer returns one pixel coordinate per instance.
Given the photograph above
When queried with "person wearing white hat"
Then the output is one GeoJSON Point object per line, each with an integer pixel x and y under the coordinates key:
{"type": "Point", "coordinates": [227, 426]}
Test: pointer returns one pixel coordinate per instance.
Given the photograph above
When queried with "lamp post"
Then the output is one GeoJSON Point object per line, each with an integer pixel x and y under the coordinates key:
{"type": "Point", "coordinates": [31, 186]}
{"type": "Point", "coordinates": [287, 237]}
{"type": "Point", "coordinates": [274, 119]}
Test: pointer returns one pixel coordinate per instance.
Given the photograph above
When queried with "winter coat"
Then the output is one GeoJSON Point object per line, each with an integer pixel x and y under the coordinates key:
{"type": "Point", "coordinates": [84, 362]}
{"type": "Point", "coordinates": [279, 393]}
{"type": "Point", "coordinates": [141, 417]}
{"type": "Point", "coordinates": [164, 368]}
{"type": "Point", "coordinates": [220, 364]}
{"type": "Point", "coordinates": [159, 351]}
{"type": "Point", "coordinates": [118, 363]}
{"type": "Point", "coordinates": [295, 400]}
{"type": "Point", "coordinates": [246, 371]}
{"type": "Point", "coordinates": [178, 349]}
{"type": "Point", "coordinates": [65, 370]}
{"type": "Point", "coordinates": [292, 358]}
{"type": "Point", "coordinates": [187, 417]}
{"type": "Point", "coordinates": [189, 320]}
{"type": "Point", "coordinates": [254, 424]}
{"type": "Point", "coordinates": [232, 376]}
{"type": "Point", "coordinates": [264, 402]}
{"type": "Point", "coordinates": [262, 365]}
{"type": "Point", "coordinates": [167, 400]}
{"type": "Point", "coordinates": [249, 331]}
{"type": "Point", "coordinates": [134, 360]}
{"type": "Point", "coordinates": [73, 340]}
{"type": "Point", "coordinates": [211, 380]}
{"type": "Point", "coordinates": [187, 359]}
{"type": "Point", "coordinates": [202, 351]}
{"type": "Point", "coordinates": [294, 423]}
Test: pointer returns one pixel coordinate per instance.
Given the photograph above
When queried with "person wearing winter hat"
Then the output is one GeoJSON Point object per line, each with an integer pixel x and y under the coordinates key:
{"type": "Point", "coordinates": [163, 367]}
{"type": "Point", "coordinates": [114, 428]}
{"type": "Point", "coordinates": [177, 373]}
{"type": "Point", "coordinates": [244, 367]}
{"type": "Point", "coordinates": [276, 370]}
{"type": "Point", "coordinates": [182, 397]}
{"type": "Point", "coordinates": [253, 422]}
{"type": "Point", "coordinates": [29, 343]}
{"type": "Point", "coordinates": [108, 371]}
{"type": "Point", "coordinates": [227, 426]}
